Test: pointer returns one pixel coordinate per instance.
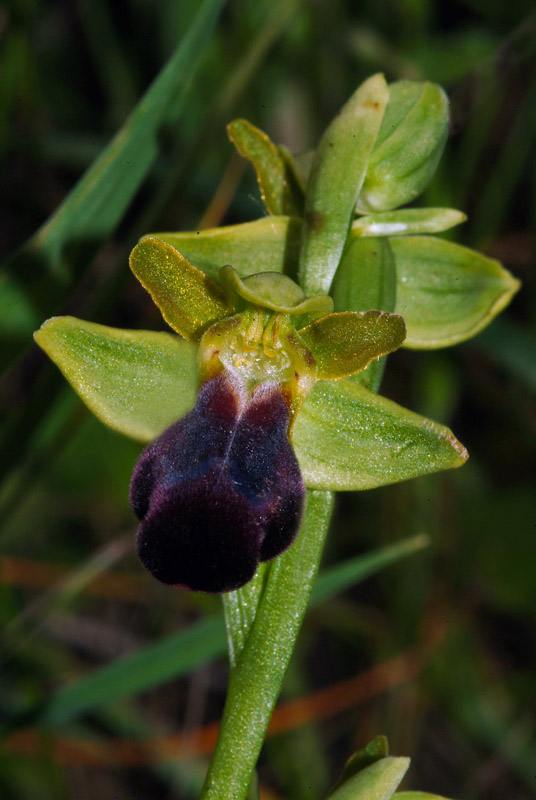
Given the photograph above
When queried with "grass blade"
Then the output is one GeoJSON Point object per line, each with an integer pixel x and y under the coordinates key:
{"type": "Point", "coordinates": [41, 273]}
{"type": "Point", "coordinates": [188, 649]}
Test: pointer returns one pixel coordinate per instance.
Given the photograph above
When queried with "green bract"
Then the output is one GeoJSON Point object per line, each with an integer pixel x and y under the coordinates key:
{"type": "Point", "coordinates": [335, 180]}
{"type": "Point", "coordinates": [408, 148]}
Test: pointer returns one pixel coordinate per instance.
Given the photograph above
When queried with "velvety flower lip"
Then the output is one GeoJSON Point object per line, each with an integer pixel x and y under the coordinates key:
{"type": "Point", "coordinates": [219, 490]}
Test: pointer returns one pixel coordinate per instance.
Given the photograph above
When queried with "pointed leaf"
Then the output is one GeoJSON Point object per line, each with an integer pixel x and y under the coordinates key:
{"type": "Point", "coordinates": [366, 279]}
{"type": "Point", "coordinates": [345, 343]}
{"type": "Point", "coordinates": [408, 220]}
{"type": "Point", "coordinates": [337, 174]}
{"type": "Point", "coordinates": [275, 183]}
{"type": "Point", "coordinates": [269, 244]}
{"type": "Point", "coordinates": [376, 782]}
{"type": "Point", "coordinates": [137, 382]}
{"type": "Point", "coordinates": [348, 438]}
{"type": "Point", "coordinates": [445, 292]}
{"type": "Point", "coordinates": [189, 300]}
{"type": "Point", "coordinates": [408, 148]}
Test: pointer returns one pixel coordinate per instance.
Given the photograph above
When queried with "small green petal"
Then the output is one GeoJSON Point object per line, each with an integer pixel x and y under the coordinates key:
{"type": "Point", "coordinates": [272, 174]}
{"type": "Point", "coordinates": [189, 300]}
{"type": "Point", "coordinates": [445, 292]}
{"type": "Point", "coordinates": [276, 292]}
{"type": "Point", "coordinates": [269, 244]}
{"type": "Point", "coordinates": [376, 782]}
{"type": "Point", "coordinates": [337, 174]}
{"type": "Point", "coordinates": [137, 382]}
{"type": "Point", "coordinates": [348, 438]}
{"type": "Point", "coordinates": [345, 343]}
{"type": "Point", "coordinates": [408, 220]}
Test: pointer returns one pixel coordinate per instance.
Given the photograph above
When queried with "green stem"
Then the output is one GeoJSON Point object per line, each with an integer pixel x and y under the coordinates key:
{"type": "Point", "coordinates": [256, 679]}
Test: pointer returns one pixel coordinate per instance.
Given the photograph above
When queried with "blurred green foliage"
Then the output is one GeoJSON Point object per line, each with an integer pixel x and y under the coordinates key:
{"type": "Point", "coordinates": [465, 607]}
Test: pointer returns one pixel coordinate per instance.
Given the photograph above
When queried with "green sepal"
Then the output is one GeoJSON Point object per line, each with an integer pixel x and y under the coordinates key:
{"type": "Point", "coordinates": [136, 382]}
{"type": "Point", "coordinates": [348, 438]}
{"type": "Point", "coordinates": [445, 292]}
{"type": "Point", "coordinates": [418, 796]}
{"type": "Point", "coordinates": [277, 186]}
{"type": "Point", "coordinates": [269, 244]}
{"type": "Point", "coordinates": [366, 279]}
{"type": "Point", "coordinates": [345, 343]}
{"type": "Point", "coordinates": [408, 148]}
{"type": "Point", "coordinates": [189, 300]}
{"type": "Point", "coordinates": [378, 781]}
{"type": "Point", "coordinates": [337, 174]}
{"type": "Point", "coordinates": [408, 220]}
{"type": "Point", "coordinates": [372, 752]}
{"type": "Point", "coordinates": [276, 292]}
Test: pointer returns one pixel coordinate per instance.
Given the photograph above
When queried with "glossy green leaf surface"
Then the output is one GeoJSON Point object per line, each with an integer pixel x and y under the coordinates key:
{"type": "Point", "coordinates": [337, 174]}
{"type": "Point", "coordinates": [189, 300]}
{"type": "Point", "coordinates": [345, 343]}
{"type": "Point", "coordinates": [366, 279]}
{"type": "Point", "coordinates": [137, 382]}
{"type": "Point", "coordinates": [346, 438]}
{"type": "Point", "coordinates": [269, 244]}
{"type": "Point", "coordinates": [408, 148]}
{"type": "Point", "coordinates": [376, 782]}
{"type": "Point", "coordinates": [408, 220]}
{"type": "Point", "coordinates": [46, 267]}
{"type": "Point", "coordinates": [271, 168]}
{"type": "Point", "coordinates": [445, 292]}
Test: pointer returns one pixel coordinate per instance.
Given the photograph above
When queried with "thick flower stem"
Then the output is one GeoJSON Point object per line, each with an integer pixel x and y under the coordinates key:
{"type": "Point", "coordinates": [256, 679]}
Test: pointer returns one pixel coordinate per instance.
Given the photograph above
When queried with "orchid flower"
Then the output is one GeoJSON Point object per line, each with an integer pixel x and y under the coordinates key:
{"type": "Point", "coordinates": [268, 385]}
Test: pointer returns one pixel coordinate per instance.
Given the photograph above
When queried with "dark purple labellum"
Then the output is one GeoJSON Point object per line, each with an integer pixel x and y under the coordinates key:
{"type": "Point", "coordinates": [219, 491]}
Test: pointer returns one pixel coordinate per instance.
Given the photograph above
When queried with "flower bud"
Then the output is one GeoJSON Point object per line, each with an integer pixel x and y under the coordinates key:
{"type": "Point", "coordinates": [408, 148]}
